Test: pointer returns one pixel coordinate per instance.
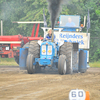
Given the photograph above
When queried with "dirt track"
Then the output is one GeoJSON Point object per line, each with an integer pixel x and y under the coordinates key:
{"type": "Point", "coordinates": [18, 85]}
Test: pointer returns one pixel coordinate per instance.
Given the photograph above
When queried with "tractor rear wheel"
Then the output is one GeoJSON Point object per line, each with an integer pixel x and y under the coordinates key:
{"type": "Point", "coordinates": [62, 65]}
{"type": "Point", "coordinates": [29, 64]}
{"type": "Point", "coordinates": [34, 49]}
{"type": "Point", "coordinates": [67, 50]}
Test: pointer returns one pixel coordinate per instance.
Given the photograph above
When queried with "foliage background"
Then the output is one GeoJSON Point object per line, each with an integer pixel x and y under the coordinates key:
{"type": "Point", "coordinates": [32, 10]}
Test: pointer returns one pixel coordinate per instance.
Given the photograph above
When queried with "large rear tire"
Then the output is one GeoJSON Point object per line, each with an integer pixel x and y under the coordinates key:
{"type": "Point", "coordinates": [62, 65]}
{"type": "Point", "coordinates": [34, 49]}
{"type": "Point", "coordinates": [67, 50]}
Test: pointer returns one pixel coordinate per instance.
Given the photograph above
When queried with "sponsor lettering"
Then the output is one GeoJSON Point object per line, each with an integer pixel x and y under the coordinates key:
{"type": "Point", "coordinates": [68, 36]}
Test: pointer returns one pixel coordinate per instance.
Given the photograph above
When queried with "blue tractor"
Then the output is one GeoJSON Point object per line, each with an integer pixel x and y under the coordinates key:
{"type": "Point", "coordinates": [64, 53]}
{"type": "Point", "coordinates": [41, 54]}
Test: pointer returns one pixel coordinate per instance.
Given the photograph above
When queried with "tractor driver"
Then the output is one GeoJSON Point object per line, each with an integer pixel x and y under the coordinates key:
{"type": "Point", "coordinates": [49, 35]}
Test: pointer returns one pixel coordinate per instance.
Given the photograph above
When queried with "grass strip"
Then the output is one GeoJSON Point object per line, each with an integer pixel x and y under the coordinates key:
{"type": "Point", "coordinates": [8, 62]}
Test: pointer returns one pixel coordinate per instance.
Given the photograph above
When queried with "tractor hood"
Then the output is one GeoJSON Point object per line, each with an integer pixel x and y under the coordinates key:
{"type": "Point", "coordinates": [47, 50]}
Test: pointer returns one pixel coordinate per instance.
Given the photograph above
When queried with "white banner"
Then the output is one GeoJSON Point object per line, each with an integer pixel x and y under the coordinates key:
{"type": "Point", "coordinates": [75, 37]}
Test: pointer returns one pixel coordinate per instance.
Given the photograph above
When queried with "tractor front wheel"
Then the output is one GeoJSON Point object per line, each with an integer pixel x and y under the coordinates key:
{"type": "Point", "coordinates": [31, 69]}
{"type": "Point", "coordinates": [29, 64]}
{"type": "Point", "coordinates": [62, 65]}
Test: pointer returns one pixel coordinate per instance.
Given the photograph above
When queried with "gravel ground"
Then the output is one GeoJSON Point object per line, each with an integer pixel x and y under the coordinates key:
{"type": "Point", "coordinates": [47, 85]}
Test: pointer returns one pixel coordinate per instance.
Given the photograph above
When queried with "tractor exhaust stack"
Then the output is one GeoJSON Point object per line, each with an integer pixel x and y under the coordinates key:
{"type": "Point", "coordinates": [52, 35]}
